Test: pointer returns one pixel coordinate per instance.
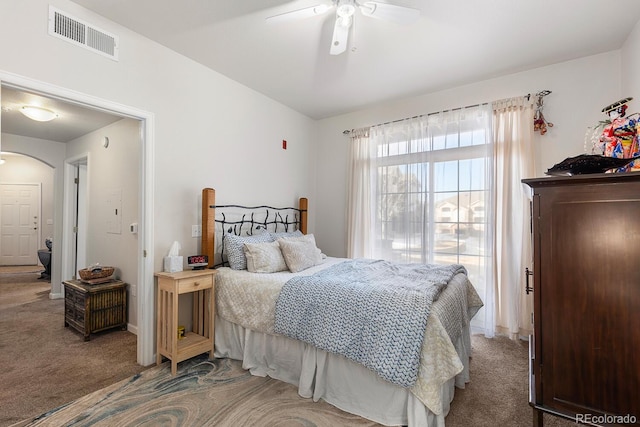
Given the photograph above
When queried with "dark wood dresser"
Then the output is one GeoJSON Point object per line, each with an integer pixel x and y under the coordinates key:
{"type": "Point", "coordinates": [585, 349]}
{"type": "Point", "coordinates": [94, 308]}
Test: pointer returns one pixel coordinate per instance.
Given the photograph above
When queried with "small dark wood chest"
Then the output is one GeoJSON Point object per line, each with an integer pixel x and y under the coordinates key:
{"type": "Point", "coordinates": [94, 308]}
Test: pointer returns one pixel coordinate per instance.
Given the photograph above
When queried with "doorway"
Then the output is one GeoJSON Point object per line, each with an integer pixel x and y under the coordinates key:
{"type": "Point", "coordinates": [79, 212]}
{"type": "Point", "coordinates": [145, 283]}
{"type": "Point", "coordinates": [21, 223]}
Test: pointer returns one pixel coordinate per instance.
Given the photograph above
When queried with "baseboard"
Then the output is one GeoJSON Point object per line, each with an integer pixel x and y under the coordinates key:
{"type": "Point", "coordinates": [132, 328]}
{"type": "Point", "coordinates": [56, 295]}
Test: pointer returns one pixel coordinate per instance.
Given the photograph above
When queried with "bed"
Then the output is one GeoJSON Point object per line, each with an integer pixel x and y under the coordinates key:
{"type": "Point", "coordinates": [252, 319]}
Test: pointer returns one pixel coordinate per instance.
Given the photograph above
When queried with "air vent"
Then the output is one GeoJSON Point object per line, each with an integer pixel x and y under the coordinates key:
{"type": "Point", "coordinates": [75, 31]}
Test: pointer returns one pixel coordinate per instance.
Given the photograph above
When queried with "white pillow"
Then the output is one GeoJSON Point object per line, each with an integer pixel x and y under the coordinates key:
{"type": "Point", "coordinates": [264, 257]}
{"type": "Point", "coordinates": [297, 237]}
{"type": "Point", "coordinates": [300, 253]}
{"type": "Point", "coordinates": [286, 234]}
{"type": "Point", "coordinates": [233, 248]}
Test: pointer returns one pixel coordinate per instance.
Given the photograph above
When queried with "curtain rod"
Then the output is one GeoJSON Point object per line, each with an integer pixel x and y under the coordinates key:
{"type": "Point", "coordinates": [528, 96]}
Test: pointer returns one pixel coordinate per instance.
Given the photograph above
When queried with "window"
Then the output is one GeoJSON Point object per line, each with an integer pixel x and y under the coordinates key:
{"type": "Point", "coordinates": [432, 193]}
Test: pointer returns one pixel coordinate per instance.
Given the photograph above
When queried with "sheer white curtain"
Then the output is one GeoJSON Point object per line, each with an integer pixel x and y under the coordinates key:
{"type": "Point", "coordinates": [361, 193]}
{"type": "Point", "coordinates": [514, 160]}
{"type": "Point", "coordinates": [420, 191]}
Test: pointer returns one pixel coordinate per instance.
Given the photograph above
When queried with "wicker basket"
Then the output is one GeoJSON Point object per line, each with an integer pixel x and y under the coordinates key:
{"type": "Point", "coordinates": [95, 273]}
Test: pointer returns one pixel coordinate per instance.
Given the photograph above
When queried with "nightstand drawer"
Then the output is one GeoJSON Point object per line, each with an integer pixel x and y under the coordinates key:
{"type": "Point", "coordinates": [195, 284]}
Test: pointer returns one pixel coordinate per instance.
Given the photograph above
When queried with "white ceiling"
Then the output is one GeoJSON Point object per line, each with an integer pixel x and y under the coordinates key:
{"type": "Point", "coordinates": [455, 42]}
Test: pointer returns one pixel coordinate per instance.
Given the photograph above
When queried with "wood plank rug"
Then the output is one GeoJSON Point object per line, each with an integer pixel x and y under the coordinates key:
{"type": "Point", "coordinates": [203, 393]}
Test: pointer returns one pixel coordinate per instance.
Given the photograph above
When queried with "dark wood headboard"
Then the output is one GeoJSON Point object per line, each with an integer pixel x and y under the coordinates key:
{"type": "Point", "coordinates": [209, 220]}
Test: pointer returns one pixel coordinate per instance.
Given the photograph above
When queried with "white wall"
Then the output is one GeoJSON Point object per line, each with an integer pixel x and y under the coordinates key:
{"type": "Point", "coordinates": [209, 130]}
{"type": "Point", "coordinates": [115, 168]}
{"type": "Point", "coordinates": [213, 132]}
{"type": "Point", "coordinates": [630, 69]}
{"type": "Point", "coordinates": [580, 89]}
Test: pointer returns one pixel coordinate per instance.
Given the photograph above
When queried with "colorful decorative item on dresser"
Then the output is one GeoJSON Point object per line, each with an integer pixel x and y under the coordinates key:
{"type": "Point", "coordinates": [540, 124]}
{"type": "Point", "coordinates": [619, 135]}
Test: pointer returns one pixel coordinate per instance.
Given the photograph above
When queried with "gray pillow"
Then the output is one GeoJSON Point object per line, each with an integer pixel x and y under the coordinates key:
{"type": "Point", "coordinates": [234, 248]}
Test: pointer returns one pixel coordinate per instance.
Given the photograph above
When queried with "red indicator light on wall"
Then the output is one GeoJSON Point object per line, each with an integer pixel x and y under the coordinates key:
{"type": "Point", "coordinates": [284, 144]}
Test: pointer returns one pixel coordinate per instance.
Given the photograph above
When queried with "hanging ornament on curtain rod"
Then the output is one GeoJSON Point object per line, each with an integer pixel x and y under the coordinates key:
{"type": "Point", "coordinates": [540, 124]}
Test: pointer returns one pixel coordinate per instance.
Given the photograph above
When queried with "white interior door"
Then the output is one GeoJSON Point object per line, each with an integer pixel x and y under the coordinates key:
{"type": "Point", "coordinates": [20, 224]}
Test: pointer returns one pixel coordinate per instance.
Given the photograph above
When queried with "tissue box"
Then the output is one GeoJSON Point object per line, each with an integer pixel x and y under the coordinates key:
{"type": "Point", "coordinates": [173, 264]}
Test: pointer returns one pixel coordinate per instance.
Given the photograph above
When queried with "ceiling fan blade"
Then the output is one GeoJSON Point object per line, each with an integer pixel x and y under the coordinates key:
{"type": "Point", "coordinates": [307, 12]}
{"type": "Point", "coordinates": [340, 35]}
{"type": "Point", "coordinates": [389, 12]}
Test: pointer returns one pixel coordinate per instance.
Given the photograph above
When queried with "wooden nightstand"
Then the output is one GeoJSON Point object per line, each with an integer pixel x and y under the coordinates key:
{"type": "Point", "coordinates": [201, 338]}
{"type": "Point", "coordinates": [93, 308]}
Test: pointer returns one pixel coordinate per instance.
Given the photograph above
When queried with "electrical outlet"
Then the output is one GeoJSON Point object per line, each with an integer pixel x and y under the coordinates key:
{"type": "Point", "coordinates": [196, 230]}
{"type": "Point", "coordinates": [134, 290]}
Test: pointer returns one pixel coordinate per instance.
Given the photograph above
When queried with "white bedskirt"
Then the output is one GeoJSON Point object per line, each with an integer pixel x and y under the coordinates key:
{"type": "Point", "coordinates": [333, 378]}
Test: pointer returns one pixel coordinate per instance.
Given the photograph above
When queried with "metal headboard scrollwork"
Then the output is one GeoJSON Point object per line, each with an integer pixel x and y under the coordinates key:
{"type": "Point", "coordinates": [244, 221]}
{"type": "Point", "coordinates": [257, 220]}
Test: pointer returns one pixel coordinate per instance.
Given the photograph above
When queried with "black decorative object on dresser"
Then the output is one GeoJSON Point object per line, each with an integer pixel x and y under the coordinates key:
{"type": "Point", "coordinates": [93, 308]}
{"type": "Point", "coordinates": [585, 349]}
{"type": "Point", "coordinates": [587, 164]}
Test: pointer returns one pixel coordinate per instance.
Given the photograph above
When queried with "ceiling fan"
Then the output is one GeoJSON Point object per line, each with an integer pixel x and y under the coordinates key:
{"type": "Point", "coordinates": [345, 11]}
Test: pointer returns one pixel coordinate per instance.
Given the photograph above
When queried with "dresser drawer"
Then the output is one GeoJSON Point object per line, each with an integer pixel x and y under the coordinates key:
{"type": "Point", "coordinates": [74, 313]}
{"type": "Point", "coordinates": [195, 284]}
{"type": "Point", "coordinates": [74, 297]}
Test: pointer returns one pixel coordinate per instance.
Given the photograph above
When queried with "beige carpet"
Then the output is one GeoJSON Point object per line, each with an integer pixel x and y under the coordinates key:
{"type": "Point", "coordinates": [46, 365]}
{"type": "Point", "coordinates": [43, 364]}
{"type": "Point", "coordinates": [221, 393]}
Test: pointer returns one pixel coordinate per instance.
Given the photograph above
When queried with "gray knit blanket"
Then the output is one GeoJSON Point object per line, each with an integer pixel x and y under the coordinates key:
{"type": "Point", "coordinates": [373, 312]}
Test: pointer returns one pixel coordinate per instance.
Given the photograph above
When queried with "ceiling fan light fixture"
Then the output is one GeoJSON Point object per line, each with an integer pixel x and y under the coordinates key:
{"type": "Point", "coordinates": [38, 114]}
{"type": "Point", "coordinates": [345, 21]}
{"type": "Point", "coordinates": [345, 15]}
{"type": "Point", "coordinates": [346, 10]}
